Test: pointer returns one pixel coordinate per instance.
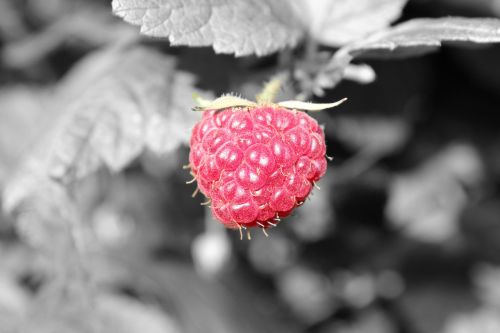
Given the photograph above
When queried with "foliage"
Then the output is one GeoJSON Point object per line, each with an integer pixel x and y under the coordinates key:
{"type": "Point", "coordinates": [94, 123]}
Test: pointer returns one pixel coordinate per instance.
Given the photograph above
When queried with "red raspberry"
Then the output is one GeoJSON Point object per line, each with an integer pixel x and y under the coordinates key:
{"type": "Point", "coordinates": [256, 164]}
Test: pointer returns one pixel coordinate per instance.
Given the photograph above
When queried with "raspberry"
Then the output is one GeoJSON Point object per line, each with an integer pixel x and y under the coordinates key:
{"type": "Point", "coordinates": [256, 163]}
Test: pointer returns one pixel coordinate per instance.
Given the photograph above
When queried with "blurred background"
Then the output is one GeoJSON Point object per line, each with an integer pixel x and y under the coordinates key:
{"type": "Point", "coordinates": [403, 236]}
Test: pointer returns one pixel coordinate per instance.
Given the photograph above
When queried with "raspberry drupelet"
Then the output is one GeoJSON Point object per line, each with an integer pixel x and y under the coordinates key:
{"type": "Point", "coordinates": [257, 161]}
{"type": "Point", "coordinates": [256, 164]}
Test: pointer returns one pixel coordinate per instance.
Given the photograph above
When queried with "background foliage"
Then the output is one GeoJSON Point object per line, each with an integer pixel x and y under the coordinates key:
{"type": "Point", "coordinates": [100, 233]}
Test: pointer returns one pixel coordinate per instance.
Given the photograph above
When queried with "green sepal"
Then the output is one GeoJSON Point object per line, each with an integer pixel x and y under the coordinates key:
{"type": "Point", "coordinates": [306, 106]}
{"type": "Point", "coordinates": [223, 102]}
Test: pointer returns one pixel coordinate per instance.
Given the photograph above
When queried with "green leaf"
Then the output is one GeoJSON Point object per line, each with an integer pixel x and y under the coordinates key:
{"type": "Point", "coordinates": [411, 38]}
{"type": "Point", "coordinates": [338, 22]}
{"type": "Point", "coordinates": [242, 27]}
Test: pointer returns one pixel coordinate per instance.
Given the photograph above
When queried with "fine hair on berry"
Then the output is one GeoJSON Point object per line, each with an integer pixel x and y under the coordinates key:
{"type": "Point", "coordinates": [256, 164]}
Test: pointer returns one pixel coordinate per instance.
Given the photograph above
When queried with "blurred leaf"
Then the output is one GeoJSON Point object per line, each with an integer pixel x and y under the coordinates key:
{"type": "Point", "coordinates": [110, 314]}
{"type": "Point", "coordinates": [316, 218]}
{"type": "Point", "coordinates": [338, 22]}
{"type": "Point", "coordinates": [11, 23]}
{"type": "Point", "coordinates": [427, 203]}
{"type": "Point", "coordinates": [427, 306]}
{"type": "Point", "coordinates": [84, 27]}
{"type": "Point", "coordinates": [272, 257]}
{"type": "Point", "coordinates": [241, 27]}
{"type": "Point", "coordinates": [24, 117]}
{"type": "Point", "coordinates": [481, 228]}
{"type": "Point", "coordinates": [211, 306]}
{"type": "Point", "coordinates": [426, 208]}
{"type": "Point", "coordinates": [411, 38]}
{"type": "Point", "coordinates": [14, 299]}
{"type": "Point", "coordinates": [371, 321]}
{"type": "Point", "coordinates": [357, 289]}
{"type": "Point", "coordinates": [484, 320]}
{"type": "Point", "coordinates": [486, 278]}
{"type": "Point", "coordinates": [125, 315]}
{"type": "Point", "coordinates": [307, 292]}
{"type": "Point", "coordinates": [171, 125]}
{"type": "Point", "coordinates": [120, 101]}
{"type": "Point", "coordinates": [42, 208]}
{"type": "Point", "coordinates": [374, 134]}
{"type": "Point", "coordinates": [361, 73]}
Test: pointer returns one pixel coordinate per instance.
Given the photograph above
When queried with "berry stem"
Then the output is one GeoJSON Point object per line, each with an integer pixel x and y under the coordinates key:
{"type": "Point", "coordinates": [270, 90]}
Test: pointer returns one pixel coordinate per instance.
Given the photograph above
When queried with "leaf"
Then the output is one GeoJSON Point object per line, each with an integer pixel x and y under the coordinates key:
{"type": "Point", "coordinates": [411, 38]}
{"type": "Point", "coordinates": [109, 313]}
{"type": "Point", "coordinates": [338, 22]}
{"type": "Point", "coordinates": [444, 179]}
{"type": "Point", "coordinates": [172, 126]}
{"type": "Point", "coordinates": [419, 36]}
{"type": "Point", "coordinates": [42, 207]}
{"type": "Point", "coordinates": [126, 315]}
{"type": "Point", "coordinates": [305, 106]}
{"type": "Point", "coordinates": [118, 102]}
{"type": "Point", "coordinates": [485, 319]}
{"type": "Point", "coordinates": [372, 135]}
{"type": "Point", "coordinates": [112, 103]}
{"type": "Point", "coordinates": [242, 27]}
{"type": "Point", "coordinates": [24, 116]}
{"type": "Point", "coordinates": [88, 28]}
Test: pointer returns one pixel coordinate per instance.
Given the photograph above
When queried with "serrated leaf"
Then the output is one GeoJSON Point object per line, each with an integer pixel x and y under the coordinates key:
{"type": "Point", "coordinates": [112, 104]}
{"type": "Point", "coordinates": [411, 38]}
{"type": "Point", "coordinates": [338, 22]}
{"type": "Point", "coordinates": [171, 127]}
{"type": "Point", "coordinates": [419, 36]}
{"type": "Point", "coordinates": [42, 207]}
{"type": "Point", "coordinates": [305, 106]}
{"type": "Point", "coordinates": [224, 102]}
{"type": "Point", "coordinates": [242, 27]}
{"type": "Point", "coordinates": [119, 102]}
